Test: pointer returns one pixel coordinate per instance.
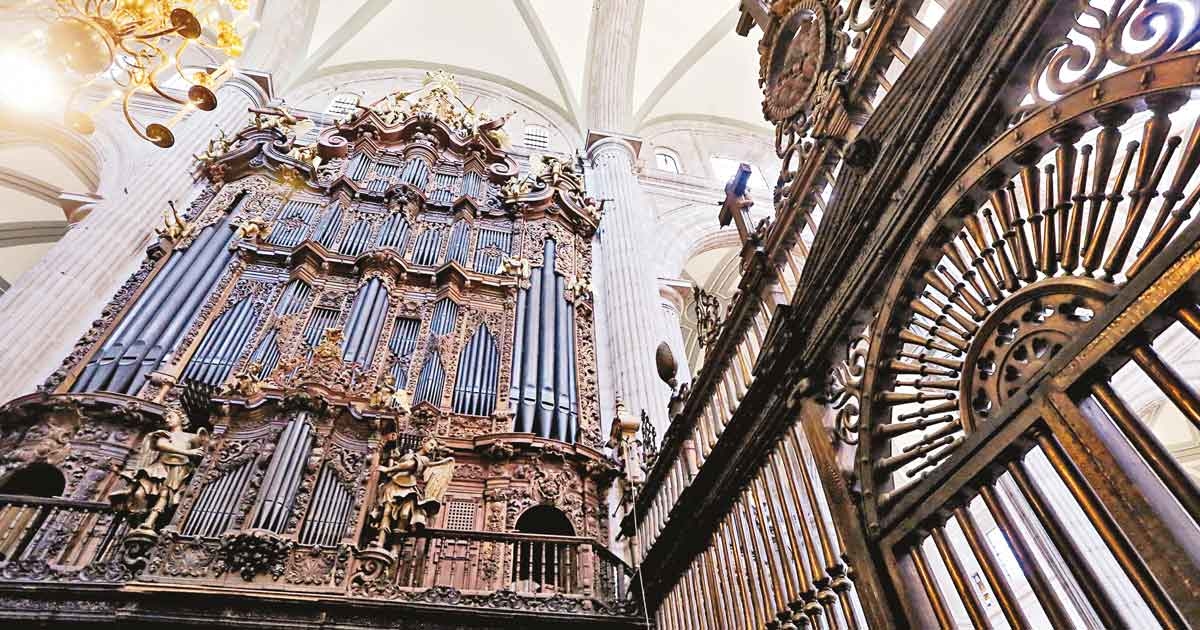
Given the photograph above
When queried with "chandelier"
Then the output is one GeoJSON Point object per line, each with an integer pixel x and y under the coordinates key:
{"type": "Point", "coordinates": [138, 46]}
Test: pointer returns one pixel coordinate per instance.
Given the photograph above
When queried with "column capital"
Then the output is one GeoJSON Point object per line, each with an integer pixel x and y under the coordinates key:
{"type": "Point", "coordinates": [598, 141]}
{"type": "Point", "coordinates": [674, 293]}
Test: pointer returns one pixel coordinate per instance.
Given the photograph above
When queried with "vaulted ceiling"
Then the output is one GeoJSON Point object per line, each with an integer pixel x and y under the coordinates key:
{"type": "Point", "coordinates": [689, 62]}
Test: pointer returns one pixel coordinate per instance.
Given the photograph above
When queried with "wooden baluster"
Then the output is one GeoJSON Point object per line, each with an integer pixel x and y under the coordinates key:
{"type": "Point", "coordinates": [1107, 144]}
{"type": "Point", "coordinates": [1031, 181]}
{"type": "Point", "coordinates": [929, 584]}
{"type": "Point", "coordinates": [745, 550]}
{"type": "Point", "coordinates": [981, 253]}
{"type": "Point", "coordinates": [958, 575]}
{"type": "Point", "coordinates": [1169, 381]}
{"type": "Point", "coordinates": [1189, 316]}
{"type": "Point", "coordinates": [1150, 170]}
{"type": "Point", "coordinates": [1156, 456]}
{"type": "Point", "coordinates": [784, 537]}
{"type": "Point", "coordinates": [1099, 238]}
{"type": "Point", "coordinates": [832, 561]}
{"type": "Point", "coordinates": [734, 568]}
{"type": "Point", "coordinates": [1067, 213]}
{"type": "Point", "coordinates": [1116, 541]}
{"type": "Point", "coordinates": [968, 273]}
{"type": "Point", "coordinates": [816, 573]}
{"type": "Point", "coordinates": [983, 554]}
{"type": "Point", "coordinates": [1065, 545]}
{"type": "Point", "coordinates": [1048, 257]}
{"type": "Point", "coordinates": [1000, 245]}
{"type": "Point", "coordinates": [769, 554]}
{"type": "Point", "coordinates": [1037, 578]}
{"type": "Point", "coordinates": [1164, 229]}
{"type": "Point", "coordinates": [1074, 232]}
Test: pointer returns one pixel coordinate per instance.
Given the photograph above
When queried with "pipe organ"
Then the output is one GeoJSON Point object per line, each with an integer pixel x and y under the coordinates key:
{"type": "Point", "coordinates": [359, 331]}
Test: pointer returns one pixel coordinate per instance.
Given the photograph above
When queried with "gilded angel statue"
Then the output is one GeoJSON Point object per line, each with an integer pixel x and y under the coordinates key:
{"type": "Point", "coordinates": [411, 490]}
{"type": "Point", "coordinates": [166, 462]}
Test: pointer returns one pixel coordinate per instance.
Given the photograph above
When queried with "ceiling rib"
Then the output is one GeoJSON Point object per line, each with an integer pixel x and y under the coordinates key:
{"type": "Point", "coordinates": [723, 28]}
{"type": "Point", "coordinates": [351, 27]}
{"type": "Point", "coordinates": [550, 55]}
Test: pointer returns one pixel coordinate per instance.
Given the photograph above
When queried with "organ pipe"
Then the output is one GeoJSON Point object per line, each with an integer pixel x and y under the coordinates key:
{"type": "Point", "coordinates": [475, 385]}
{"type": "Point", "coordinates": [283, 476]}
{"type": "Point", "coordinates": [156, 322]}
{"type": "Point", "coordinates": [223, 344]}
{"type": "Point", "coordinates": [293, 223]}
{"type": "Point", "coordinates": [327, 229]}
{"type": "Point", "coordinates": [543, 390]}
{"type": "Point", "coordinates": [294, 295]}
{"type": "Point", "coordinates": [217, 503]}
{"type": "Point", "coordinates": [457, 249]}
{"type": "Point", "coordinates": [425, 252]}
{"type": "Point", "coordinates": [327, 518]}
{"type": "Point", "coordinates": [357, 238]}
{"type": "Point", "coordinates": [394, 233]}
{"type": "Point", "coordinates": [365, 323]}
{"type": "Point", "coordinates": [431, 381]}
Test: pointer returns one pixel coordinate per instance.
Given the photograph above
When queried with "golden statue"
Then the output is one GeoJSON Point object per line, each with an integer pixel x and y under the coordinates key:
{"type": "Point", "coordinates": [165, 464]}
{"type": "Point", "coordinates": [330, 346]}
{"type": "Point", "coordinates": [307, 155]}
{"type": "Point", "coordinates": [217, 148]}
{"type": "Point", "coordinates": [251, 229]}
{"type": "Point", "coordinates": [514, 266]}
{"type": "Point", "coordinates": [174, 227]}
{"type": "Point", "coordinates": [401, 504]}
{"type": "Point", "coordinates": [248, 382]}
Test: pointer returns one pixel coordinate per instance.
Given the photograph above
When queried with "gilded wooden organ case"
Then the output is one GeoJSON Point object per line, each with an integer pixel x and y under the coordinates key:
{"type": "Point", "coordinates": [347, 325]}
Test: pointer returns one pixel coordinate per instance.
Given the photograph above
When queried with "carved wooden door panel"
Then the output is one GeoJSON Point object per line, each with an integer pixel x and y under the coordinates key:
{"type": "Point", "coordinates": [1030, 370]}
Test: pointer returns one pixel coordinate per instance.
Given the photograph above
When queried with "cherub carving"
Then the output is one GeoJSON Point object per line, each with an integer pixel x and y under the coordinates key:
{"type": "Point", "coordinates": [174, 228]}
{"type": "Point", "coordinates": [411, 490]}
{"type": "Point", "coordinates": [519, 267]}
{"type": "Point", "coordinates": [247, 382]}
{"type": "Point", "coordinates": [166, 462]}
{"type": "Point", "coordinates": [217, 148]}
{"type": "Point", "coordinates": [251, 229]}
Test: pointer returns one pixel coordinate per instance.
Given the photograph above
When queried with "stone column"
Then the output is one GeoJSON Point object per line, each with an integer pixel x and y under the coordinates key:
{"type": "Point", "coordinates": [612, 50]}
{"type": "Point", "coordinates": [52, 304]}
{"type": "Point", "coordinates": [630, 307]}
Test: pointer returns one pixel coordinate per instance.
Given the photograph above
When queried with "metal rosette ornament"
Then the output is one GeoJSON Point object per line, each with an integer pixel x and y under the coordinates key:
{"type": "Point", "coordinates": [140, 47]}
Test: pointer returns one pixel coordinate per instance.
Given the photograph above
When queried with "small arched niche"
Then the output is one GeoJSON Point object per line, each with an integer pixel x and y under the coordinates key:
{"type": "Point", "coordinates": [35, 480]}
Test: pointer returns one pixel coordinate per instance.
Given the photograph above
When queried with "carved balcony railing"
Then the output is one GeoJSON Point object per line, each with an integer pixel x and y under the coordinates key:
{"type": "Point", "coordinates": [59, 533]}
{"type": "Point", "coordinates": [523, 563]}
{"type": "Point", "coordinates": [53, 540]}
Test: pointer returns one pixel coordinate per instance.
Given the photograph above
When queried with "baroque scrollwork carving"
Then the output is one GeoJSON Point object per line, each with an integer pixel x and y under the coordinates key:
{"type": "Point", "coordinates": [252, 553]}
{"type": "Point", "coordinates": [1126, 33]}
{"type": "Point", "coordinates": [844, 393]}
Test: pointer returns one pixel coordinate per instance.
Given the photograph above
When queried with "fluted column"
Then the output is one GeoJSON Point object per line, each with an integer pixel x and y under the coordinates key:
{"type": "Point", "coordinates": [53, 303]}
{"type": "Point", "coordinates": [630, 302]}
{"type": "Point", "coordinates": [612, 50]}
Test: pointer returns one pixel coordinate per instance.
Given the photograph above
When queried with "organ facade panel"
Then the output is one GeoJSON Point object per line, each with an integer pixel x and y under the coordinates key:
{"type": "Point", "coordinates": [359, 333]}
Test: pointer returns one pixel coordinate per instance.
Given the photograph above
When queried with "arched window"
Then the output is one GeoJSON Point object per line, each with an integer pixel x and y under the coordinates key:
{"type": "Point", "coordinates": [537, 137]}
{"type": "Point", "coordinates": [22, 523]}
{"type": "Point", "coordinates": [38, 479]}
{"type": "Point", "coordinates": [545, 519]}
{"type": "Point", "coordinates": [544, 565]}
{"type": "Point", "coordinates": [666, 160]}
{"type": "Point", "coordinates": [342, 106]}
{"type": "Point", "coordinates": [724, 168]}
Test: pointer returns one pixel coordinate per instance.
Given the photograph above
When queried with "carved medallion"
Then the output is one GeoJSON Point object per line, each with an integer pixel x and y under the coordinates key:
{"type": "Point", "coordinates": [796, 52]}
{"type": "Point", "coordinates": [1023, 334]}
